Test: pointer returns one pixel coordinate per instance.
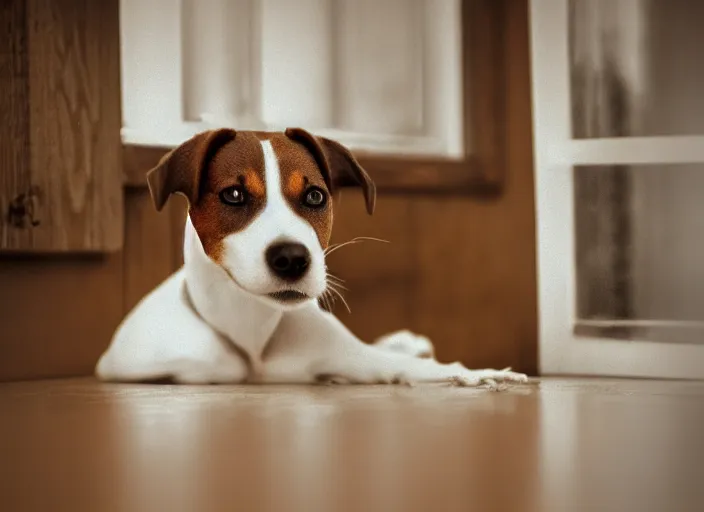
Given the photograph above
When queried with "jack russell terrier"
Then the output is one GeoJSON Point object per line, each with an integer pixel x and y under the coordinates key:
{"type": "Point", "coordinates": [244, 307]}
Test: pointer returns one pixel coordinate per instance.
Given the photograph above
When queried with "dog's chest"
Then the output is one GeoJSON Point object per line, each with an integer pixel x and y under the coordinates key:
{"type": "Point", "coordinates": [251, 335]}
{"type": "Point", "coordinates": [248, 324]}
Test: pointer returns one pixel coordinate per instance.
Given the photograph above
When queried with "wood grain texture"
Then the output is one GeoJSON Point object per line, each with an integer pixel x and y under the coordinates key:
{"type": "Point", "coordinates": [486, 47]}
{"type": "Point", "coordinates": [14, 117]}
{"type": "Point", "coordinates": [477, 286]}
{"type": "Point", "coordinates": [153, 244]}
{"type": "Point", "coordinates": [148, 247]}
{"type": "Point", "coordinates": [72, 172]}
{"type": "Point", "coordinates": [57, 314]}
{"type": "Point", "coordinates": [561, 446]}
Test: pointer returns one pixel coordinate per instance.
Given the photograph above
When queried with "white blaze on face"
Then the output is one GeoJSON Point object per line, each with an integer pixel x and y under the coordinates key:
{"type": "Point", "coordinates": [244, 251]}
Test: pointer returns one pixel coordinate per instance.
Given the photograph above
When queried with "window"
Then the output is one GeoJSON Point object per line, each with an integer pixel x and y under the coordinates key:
{"type": "Point", "coordinates": [379, 75]}
{"type": "Point", "coordinates": [415, 87]}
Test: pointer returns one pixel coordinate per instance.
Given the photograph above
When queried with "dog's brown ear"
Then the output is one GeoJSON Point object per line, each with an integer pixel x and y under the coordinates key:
{"type": "Point", "coordinates": [181, 170]}
{"type": "Point", "coordinates": [338, 164]}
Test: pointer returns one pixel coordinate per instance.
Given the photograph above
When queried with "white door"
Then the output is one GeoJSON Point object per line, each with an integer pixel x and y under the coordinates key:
{"type": "Point", "coordinates": [618, 96]}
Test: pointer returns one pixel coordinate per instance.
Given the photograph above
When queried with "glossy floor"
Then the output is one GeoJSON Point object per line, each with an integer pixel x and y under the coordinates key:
{"type": "Point", "coordinates": [556, 445]}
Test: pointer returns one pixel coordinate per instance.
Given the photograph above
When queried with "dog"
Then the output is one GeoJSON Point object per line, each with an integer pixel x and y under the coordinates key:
{"type": "Point", "coordinates": [245, 305]}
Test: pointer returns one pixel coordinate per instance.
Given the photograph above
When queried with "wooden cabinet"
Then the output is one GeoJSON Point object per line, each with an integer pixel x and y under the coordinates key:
{"type": "Point", "coordinates": [61, 185]}
{"type": "Point", "coordinates": [60, 159]}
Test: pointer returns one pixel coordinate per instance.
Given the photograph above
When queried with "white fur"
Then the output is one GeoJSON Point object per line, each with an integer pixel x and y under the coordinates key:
{"type": "Point", "coordinates": [204, 326]}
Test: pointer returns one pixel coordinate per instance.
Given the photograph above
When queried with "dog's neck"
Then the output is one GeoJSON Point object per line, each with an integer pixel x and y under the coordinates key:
{"type": "Point", "coordinates": [245, 320]}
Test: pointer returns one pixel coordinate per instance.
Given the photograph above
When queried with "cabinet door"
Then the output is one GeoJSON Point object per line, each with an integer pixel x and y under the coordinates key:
{"type": "Point", "coordinates": [60, 151]}
{"type": "Point", "coordinates": [619, 134]}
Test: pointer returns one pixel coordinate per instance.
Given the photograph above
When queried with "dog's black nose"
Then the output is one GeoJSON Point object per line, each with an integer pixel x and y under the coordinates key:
{"type": "Point", "coordinates": [288, 260]}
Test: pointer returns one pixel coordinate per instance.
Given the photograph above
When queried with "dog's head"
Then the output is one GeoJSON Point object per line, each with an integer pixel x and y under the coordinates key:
{"type": "Point", "coordinates": [261, 204]}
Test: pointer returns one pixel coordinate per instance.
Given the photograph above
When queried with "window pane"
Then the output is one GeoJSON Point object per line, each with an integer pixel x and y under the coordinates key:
{"type": "Point", "coordinates": [640, 243]}
{"type": "Point", "coordinates": [636, 67]}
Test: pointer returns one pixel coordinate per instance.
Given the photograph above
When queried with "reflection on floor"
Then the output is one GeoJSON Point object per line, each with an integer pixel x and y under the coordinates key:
{"type": "Point", "coordinates": [555, 445]}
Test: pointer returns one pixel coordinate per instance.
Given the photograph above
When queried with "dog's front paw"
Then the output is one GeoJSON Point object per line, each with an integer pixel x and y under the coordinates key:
{"type": "Point", "coordinates": [408, 343]}
{"type": "Point", "coordinates": [488, 378]}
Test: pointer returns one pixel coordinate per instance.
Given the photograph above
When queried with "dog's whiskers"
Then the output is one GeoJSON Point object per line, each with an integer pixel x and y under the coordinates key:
{"type": "Point", "coordinates": [335, 247]}
{"type": "Point", "coordinates": [325, 298]}
{"type": "Point", "coordinates": [331, 299]}
{"type": "Point", "coordinates": [342, 298]}
{"type": "Point", "coordinates": [334, 280]}
{"type": "Point", "coordinates": [332, 293]}
{"type": "Point", "coordinates": [356, 240]}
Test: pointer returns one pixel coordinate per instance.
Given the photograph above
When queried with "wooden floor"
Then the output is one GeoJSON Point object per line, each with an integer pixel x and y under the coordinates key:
{"type": "Point", "coordinates": [557, 445]}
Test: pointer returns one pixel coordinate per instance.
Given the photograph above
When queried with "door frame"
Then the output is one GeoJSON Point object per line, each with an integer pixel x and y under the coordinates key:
{"type": "Point", "coordinates": [556, 152]}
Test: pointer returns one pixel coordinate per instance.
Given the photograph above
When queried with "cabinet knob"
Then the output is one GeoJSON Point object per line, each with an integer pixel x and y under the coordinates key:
{"type": "Point", "coordinates": [24, 210]}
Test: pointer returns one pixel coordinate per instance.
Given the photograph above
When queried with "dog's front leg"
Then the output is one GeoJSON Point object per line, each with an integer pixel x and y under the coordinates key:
{"type": "Point", "coordinates": [314, 346]}
{"type": "Point", "coordinates": [368, 364]}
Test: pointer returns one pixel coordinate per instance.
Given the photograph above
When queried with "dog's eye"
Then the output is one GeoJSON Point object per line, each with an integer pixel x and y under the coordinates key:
{"type": "Point", "coordinates": [314, 197]}
{"type": "Point", "coordinates": [233, 196]}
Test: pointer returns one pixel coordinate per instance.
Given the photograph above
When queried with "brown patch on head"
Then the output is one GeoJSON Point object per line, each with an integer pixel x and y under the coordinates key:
{"type": "Point", "coordinates": [295, 184]}
{"type": "Point", "coordinates": [239, 163]}
{"type": "Point", "coordinates": [300, 173]}
{"type": "Point", "coordinates": [255, 183]}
